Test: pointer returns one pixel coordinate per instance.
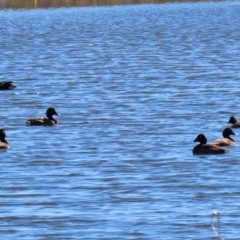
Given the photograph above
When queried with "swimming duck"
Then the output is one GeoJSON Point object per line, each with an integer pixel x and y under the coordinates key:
{"type": "Point", "coordinates": [234, 121]}
{"type": "Point", "coordinates": [6, 85]}
{"type": "Point", "coordinates": [226, 140]}
{"type": "Point", "coordinates": [41, 121]}
{"type": "Point", "coordinates": [3, 144]}
{"type": "Point", "coordinates": [203, 148]}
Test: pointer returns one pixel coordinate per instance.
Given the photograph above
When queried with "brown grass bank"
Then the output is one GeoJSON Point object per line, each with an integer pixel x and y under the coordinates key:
{"type": "Point", "coordinates": [71, 3]}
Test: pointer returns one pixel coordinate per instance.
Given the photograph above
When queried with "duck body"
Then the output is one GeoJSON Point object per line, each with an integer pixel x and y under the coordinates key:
{"type": "Point", "coordinates": [226, 141]}
{"type": "Point", "coordinates": [3, 144]}
{"type": "Point", "coordinates": [41, 121]}
{"type": "Point", "coordinates": [233, 120]}
{"type": "Point", "coordinates": [7, 85]}
{"type": "Point", "coordinates": [204, 148]}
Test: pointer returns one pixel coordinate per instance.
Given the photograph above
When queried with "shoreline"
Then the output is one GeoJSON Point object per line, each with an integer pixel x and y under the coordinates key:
{"type": "Point", "coordinates": [31, 4]}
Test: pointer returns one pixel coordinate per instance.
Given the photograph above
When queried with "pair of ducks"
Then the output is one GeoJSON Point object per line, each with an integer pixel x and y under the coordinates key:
{"type": "Point", "coordinates": [38, 121]}
{"type": "Point", "coordinates": [49, 121]}
{"type": "Point", "coordinates": [5, 85]}
{"type": "Point", "coordinates": [216, 147]}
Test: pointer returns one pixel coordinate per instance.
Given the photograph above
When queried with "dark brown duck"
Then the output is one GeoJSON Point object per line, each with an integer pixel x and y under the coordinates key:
{"type": "Point", "coordinates": [7, 85]}
{"type": "Point", "coordinates": [226, 141]}
{"type": "Point", "coordinates": [203, 148]}
{"type": "Point", "coordinates": [41, 121]}
{"type": "Point", "coordinates": [233, 120]}
{"type": "Point", "coordinates": [3, 144]}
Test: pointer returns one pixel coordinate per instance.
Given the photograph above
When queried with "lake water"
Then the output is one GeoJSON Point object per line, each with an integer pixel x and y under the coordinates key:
{"type": "Point", "coordinates": [134, 86]}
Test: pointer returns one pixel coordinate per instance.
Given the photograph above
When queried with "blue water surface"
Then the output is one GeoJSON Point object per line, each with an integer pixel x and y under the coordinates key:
{"type": "Point", "coordinates": [134, 86]}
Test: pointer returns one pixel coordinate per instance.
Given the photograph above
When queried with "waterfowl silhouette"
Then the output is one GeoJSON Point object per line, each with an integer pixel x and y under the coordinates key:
{"type": "Point", "coordinates": [41, 121]}
{"type": "Point", "coordinates": [234, 121]}
{"type": "Point", "coordinates": [226, 141]}
{"type": "Point", "coordinates": [3, 144]}
{"type": "Point", "coordinates": [7, 85]}
{"type": "Point", "coordinates": [203, 148]}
